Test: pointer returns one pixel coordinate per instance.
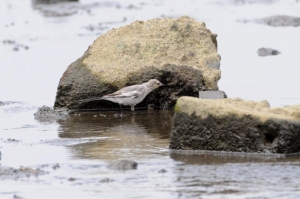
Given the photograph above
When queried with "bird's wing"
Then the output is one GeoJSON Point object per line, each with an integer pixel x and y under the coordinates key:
{"type": "Point", "coordinates": [120, 94]}
{"type": "Point", "coordinates": [90, 99]}
{"type": "Point", "coordinates": [130, 91]}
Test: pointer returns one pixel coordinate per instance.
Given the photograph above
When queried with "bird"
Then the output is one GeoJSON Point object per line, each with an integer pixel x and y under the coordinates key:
{"type": "Point", "coordinates": [130, 95]}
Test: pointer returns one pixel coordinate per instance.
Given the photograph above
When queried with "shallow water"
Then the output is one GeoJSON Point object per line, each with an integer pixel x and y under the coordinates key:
{"type": "Point", "coordinates": [69, 158]}
{"type": "Point", "coordinates": [75, 153]}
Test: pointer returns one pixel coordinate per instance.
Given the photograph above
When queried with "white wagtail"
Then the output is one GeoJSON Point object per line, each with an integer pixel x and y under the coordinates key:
{"type": "Point", "coordinates": [130, 95]}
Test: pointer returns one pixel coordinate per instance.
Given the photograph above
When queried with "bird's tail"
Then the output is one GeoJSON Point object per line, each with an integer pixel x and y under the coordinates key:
{"type": "Point", "coordinates": [90, 99]}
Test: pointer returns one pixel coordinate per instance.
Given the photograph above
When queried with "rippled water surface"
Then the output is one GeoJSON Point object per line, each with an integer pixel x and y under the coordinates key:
{"type": "Point", "coordinates": [74, 155]}
{"type": "Point", "coordinates": [69, 158]}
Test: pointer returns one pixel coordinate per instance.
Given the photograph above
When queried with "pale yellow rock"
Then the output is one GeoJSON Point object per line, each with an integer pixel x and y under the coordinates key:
{"type": "Point", "coordinates": [116, 55]}
{"type": "Point", "coordinates": [238, 107]}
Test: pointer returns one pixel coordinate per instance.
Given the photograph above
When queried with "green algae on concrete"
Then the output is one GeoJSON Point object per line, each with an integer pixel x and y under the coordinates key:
{"type": "Point", "coordinates": [235, 125]}
{"type": "Point", "coordinates": [236, 106]}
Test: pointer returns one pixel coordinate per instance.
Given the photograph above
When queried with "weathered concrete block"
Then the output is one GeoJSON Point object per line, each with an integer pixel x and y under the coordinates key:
{"type": "Point", "coordinates": [212, 94]}
{"type": "Point", "coordinates": [235, 125]}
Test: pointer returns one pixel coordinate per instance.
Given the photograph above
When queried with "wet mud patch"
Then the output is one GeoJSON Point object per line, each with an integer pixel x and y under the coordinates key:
{"type": "Point", "coordinates": [71, 141]}
{"type": "Point", "coordinates": [2, 103]}
{"type": "Point", "coordinates": [280, 20]}
{"type": "Point", "coordinates": [16, 107]}
{"type": "Point", "coordinates": [102, 27]}
{"type": "Point", "coordinates": [10, 173]}
{"type": "Point", "coordinates": [10, 140]}
{"type": "Point", "coordinates": [64, 9]}
{"type": "Point", "coordinates": [240, 2]}
{"type": "Point", "coordinates": [275, 21]}
{"type": "Point", "coordinates": [15, 45]}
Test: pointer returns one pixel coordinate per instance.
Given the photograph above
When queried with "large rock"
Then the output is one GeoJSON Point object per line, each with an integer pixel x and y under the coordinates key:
{"type": "Point", "coordinates": [181, 53]}
{"type": "Point", "coordinates": [235, 125]}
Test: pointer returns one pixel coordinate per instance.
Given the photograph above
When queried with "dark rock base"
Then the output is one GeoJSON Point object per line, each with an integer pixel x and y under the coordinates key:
{"type": "Point", "coordinates": [179, 81]}
{"type": "Point", "coordinates": [234, 134]}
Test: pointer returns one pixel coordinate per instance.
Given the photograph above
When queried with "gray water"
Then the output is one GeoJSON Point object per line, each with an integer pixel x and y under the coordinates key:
{"type": "Point", "coordinates": [69, 158]}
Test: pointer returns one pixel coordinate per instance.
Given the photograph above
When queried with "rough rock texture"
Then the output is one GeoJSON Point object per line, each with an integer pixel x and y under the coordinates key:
{"type": "Point", "coordinates": [280, 20]}
{"type": "Point", "coordinates": [181, 53]}
{"type": "Point", "coordinates": [267, 51]}
{"type": "Point", "coordinates": [47, 114]}
{"type": "Point", "coordinates": [235, 125]}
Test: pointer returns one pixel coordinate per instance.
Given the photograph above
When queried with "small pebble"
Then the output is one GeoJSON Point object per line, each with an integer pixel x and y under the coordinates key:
{"type": "Point", "coordinates": [162, 171]}
{"type": "Point", "coordinates": [267, 51]}
{"type": "Point", "coordinates": [56, 166]}
{"type": "Point", "coordinates": [71, 179]}
{"type": "Point", "coordinates": [17, 197]}
{"type": "Point", "coordinates": [106, 180]}
{"type": "Point", "coordinates": [123, 165]}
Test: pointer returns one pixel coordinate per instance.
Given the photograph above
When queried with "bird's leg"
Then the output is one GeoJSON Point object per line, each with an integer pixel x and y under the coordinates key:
{"type": "Point", "coordinates": [132, 108]}
{"type": "Point", "coordinates": [121, 110]}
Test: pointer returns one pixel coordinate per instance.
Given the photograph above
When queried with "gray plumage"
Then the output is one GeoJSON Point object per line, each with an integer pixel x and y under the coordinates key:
{"type": "Point", "coordinates": [130, 95]}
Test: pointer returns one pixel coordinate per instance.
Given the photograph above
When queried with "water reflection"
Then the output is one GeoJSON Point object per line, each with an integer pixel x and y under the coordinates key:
{"type": "Point", "coordinates": [143, 135]}
{"type": "Point", "coordinates": [49, 1]}
{"type": "Point", "coordinates": [217, 159]}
